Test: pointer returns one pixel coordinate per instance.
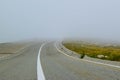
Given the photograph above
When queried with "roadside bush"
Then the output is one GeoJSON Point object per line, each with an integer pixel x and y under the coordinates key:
{"type": "Point", "coordinates": [92, 50]}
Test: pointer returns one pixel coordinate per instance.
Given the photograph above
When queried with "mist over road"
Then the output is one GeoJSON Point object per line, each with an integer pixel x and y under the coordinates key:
{"type": "Point", "coordinates": [55, 66]}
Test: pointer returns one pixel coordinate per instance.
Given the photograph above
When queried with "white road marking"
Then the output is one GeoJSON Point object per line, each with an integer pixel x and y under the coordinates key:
{"type": "Point", "coordinates": [110, 65]}
{"type": "Point", "coordinates": [40, 74]}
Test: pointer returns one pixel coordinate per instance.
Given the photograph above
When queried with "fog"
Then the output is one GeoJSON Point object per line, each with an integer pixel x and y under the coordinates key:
{"type": "Point", "coordinates": [59, 19]}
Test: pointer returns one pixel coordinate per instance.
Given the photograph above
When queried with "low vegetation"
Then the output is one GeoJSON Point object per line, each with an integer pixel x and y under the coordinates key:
{"type": "Point", "coordinates": [106, 52]}
{"type": "Point", "coordinates": [10, 48]}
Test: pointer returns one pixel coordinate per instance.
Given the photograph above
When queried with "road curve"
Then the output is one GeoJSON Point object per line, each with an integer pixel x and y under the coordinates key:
{"type": "Point", "coordinates": [23, 66]}
{"type": "Point", "coordinates": [57, 66]}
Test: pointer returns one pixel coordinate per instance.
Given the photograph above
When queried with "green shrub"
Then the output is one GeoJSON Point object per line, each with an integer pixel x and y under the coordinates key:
{"type": "Point", "coordinates": [92, 50]}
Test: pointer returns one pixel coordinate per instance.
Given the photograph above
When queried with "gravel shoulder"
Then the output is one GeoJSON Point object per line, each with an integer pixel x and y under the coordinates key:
{"type": "Point", "coordinates": [8, 50]}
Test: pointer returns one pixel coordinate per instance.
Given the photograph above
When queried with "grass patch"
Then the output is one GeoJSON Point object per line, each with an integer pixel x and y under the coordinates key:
{"type": "Point", "coordinates": [95, 51]}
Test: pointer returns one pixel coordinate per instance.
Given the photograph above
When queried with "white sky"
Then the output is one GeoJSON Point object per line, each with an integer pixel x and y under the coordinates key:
{"type": "Point", "coordinates": [22, 19]}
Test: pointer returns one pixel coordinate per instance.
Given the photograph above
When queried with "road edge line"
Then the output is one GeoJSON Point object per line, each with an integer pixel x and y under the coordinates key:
{"type": "Point", "coordinates": [105, 64]}
{"type": "Point", "coordinates": [40, 74]}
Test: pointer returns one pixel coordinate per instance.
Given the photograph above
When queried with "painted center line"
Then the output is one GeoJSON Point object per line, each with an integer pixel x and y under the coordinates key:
{"type": "Point", "coordinates": [40, 74]}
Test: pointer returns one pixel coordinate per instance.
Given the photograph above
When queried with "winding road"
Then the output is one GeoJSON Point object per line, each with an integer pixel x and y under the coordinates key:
{"type": "Point", "coordinates": [55, 66]}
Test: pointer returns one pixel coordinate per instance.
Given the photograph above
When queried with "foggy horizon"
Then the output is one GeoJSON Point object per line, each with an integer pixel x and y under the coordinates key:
{"type": "Point", "coordinates": [32, 19]}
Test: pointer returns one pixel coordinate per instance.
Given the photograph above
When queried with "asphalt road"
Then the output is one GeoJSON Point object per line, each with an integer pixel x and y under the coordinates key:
{"type": "Point", "coordinates": [21, 67]}
{"type": "Point", "coordinates": [57, 66]}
